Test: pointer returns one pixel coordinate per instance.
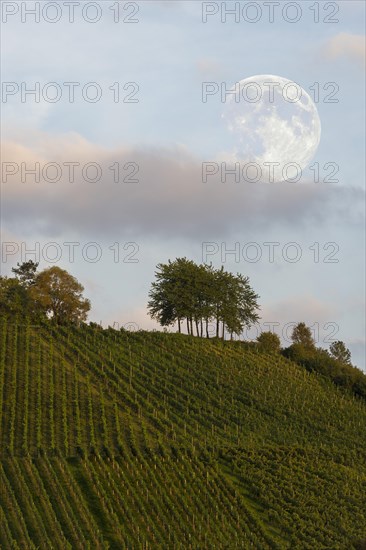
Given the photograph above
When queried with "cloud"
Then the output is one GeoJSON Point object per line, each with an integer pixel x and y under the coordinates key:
{"type": "Point", "coordinates": [170, 199]}
{"type": "Point", "coordinates": [209, 68]}
{"type": "Point", "coordinates": [9, 243]}
{"type": "Point", "coordinates": [351, 46]}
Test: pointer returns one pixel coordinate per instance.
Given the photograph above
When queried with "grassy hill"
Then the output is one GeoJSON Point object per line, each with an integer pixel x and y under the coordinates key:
{"type": "Point", "coordinates": [113, 439]}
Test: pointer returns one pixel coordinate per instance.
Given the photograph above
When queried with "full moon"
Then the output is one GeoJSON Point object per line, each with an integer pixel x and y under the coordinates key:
{"type": "Point", "coordinates": [275, 125]}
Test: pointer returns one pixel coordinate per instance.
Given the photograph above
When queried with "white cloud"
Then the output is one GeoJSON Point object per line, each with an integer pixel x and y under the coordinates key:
{"type": "Point", "coordinates": [351, 46]}
{"type": "Point", "coordinates": [209, 68]}
{"type": "Point", "coordinates": [170, 200]}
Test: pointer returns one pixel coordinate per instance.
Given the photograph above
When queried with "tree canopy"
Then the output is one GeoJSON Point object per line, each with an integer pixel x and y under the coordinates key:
{"type": "Point", "coordinates": [26, 272]}
{"type": "Point", "coordinates": [302, 335]}
{"type": "Point", "coordinates": [199, 294]}
{"type": "Point", "coordinates": [269, 342]}
{"type": "Point", "coordinates": [14, 297]}
{"type": "Point", "coordinates": [339, 351]}
{"type": "Point", "coordinates": [59, 294]}
{"type": "Point", "coordinates": [52, 293]}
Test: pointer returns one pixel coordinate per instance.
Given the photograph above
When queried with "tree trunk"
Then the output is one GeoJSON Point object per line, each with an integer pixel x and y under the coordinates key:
{"type": "Point", "coordinates": [217, 327]}
{"type": "Point", "coordinates": [207, 333]}
{"type": "Point", "coordinates": [179, 329]}
{"type": "Point", "coordinates": [191, 322]}
{"type": "Point", "coordinates": [188, 326]}
{"type": "Point", "coordinates": [201, 328]}
{"type": "Point", "coordinates": [197, 329]}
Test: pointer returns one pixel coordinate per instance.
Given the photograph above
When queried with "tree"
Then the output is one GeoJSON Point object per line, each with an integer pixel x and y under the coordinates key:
{"type": "Point", "coordinates": [179, 293]}
{"type": "Point", "coordinates": [236, 302]}
{"type": "Point", "coordinates": [269, 342]}
{"type": "Point", "coordinates": [59, 294]}
{"type": "Point", "coordinates": [247, 303]}
{"type": "Point", "coordinates": [168, 299]}
{"type": "Point", "coordinates": [26, 272]}
{"type": "Point", "coordinates": [223, 301]}
{"type": "Point", "coordinates": [339, 351]}
{"type": "Point", "coordinates": [13, 296]}
{"type": "Point", "coordinates": [320, 361]}
{"type": "Point", "coordinates": [302, 335]}
{"type": "Point", "coordinates": [198, 294]}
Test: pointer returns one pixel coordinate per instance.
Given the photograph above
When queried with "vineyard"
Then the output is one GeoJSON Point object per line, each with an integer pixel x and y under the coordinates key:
{"type": "Point", "coordinates": [144, 440]}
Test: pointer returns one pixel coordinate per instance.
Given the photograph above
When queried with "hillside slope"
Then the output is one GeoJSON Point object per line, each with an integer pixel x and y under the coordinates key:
{"type": "Point", "coordinates": [150, 440]}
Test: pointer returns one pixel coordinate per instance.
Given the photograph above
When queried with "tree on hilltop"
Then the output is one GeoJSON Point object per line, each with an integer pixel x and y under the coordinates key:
{"type": "Point", "coordinates": [59, 294]}
{"type": "Point", "coordinates": [339, 351]}
{"type": "Point", "coordinates": [14, 298]}
{"type": "Point", "coordinates": [269, 342]}
{"type": "Point", "coordinates": [302, 335]}
{"type": "Point", "coordinates": [26, 272]}
{"type": "Point", "coordinates": [199, 294]}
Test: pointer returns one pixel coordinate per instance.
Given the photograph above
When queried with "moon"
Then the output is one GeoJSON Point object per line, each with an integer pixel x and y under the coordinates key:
{"type": "Point", "coordinates": [275, 125]}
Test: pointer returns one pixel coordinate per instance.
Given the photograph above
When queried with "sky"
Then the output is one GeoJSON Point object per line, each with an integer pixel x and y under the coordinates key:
{"type": "Point", "coordinates": [122, 130]}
